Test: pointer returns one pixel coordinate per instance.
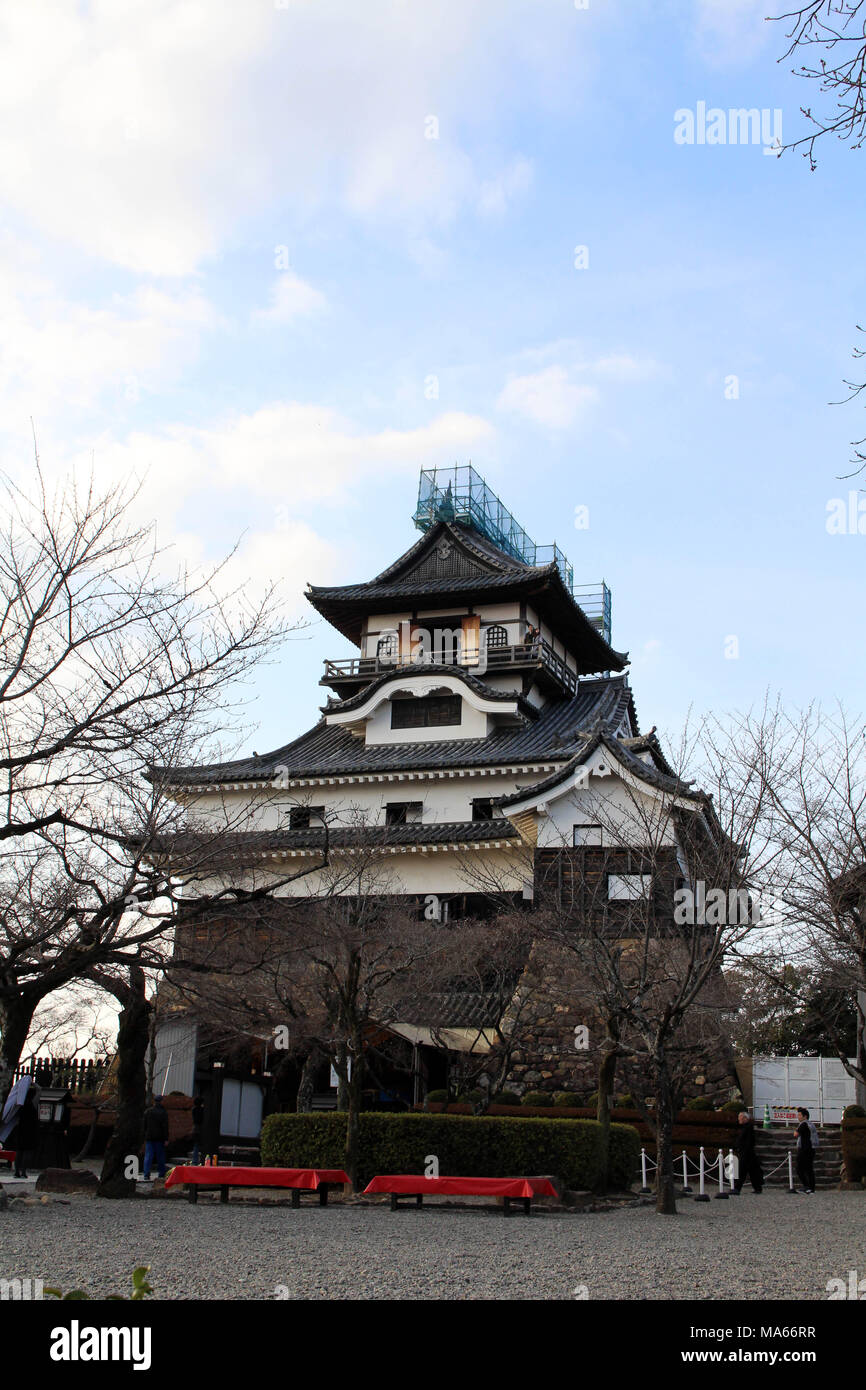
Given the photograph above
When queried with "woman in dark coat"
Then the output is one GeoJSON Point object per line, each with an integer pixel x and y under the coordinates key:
{"type": "Point", "coordinates": [26, 1133]}
{"type": "Point", "coordinates": [749, 1166]}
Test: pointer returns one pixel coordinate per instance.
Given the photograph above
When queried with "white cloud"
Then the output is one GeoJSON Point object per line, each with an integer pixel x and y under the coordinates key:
{"type": "Point", "coordinates": [291, 297]}
{"type": "Point", "coordinates": [495, 195]}
{"type": "Point", "coordinates": [56, 352]}
{"type": "Point", "coordinates": [147, 131]}
{"type": "Point", "coordinates": [260, 472]}
{"type": "Point", "coordinates": [548, 397]}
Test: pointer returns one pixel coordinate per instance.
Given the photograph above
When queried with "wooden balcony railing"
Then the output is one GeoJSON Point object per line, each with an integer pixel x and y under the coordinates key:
{"type": "Point", "coordinates": [538, 653]}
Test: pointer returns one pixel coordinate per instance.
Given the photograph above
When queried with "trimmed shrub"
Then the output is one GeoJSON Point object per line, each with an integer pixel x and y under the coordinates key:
{"type": "Point", "coordinates": [437, 1097]}
{"type": "Point", "coordinates": [625, 1102]}
{"type": "Point", "coordinates": [732, 1107]}
{"type": "Point", "coordinates": [505, 1098]}
{"type": "Point", "coordinates": [854, 1112]}
{"type": "Point", "coordinates": [569, 1098]}
{"type": "Point", "coordinates": [854, 1148]}
{"type": "Point", "coordinates": [700, 1103]}
{"type": "Point", "coordinates": [466, 1146]}
{"type": "Point", "coordinates": [470, 1097]}
{"type": "Point", "coordinates": [537, 1098]}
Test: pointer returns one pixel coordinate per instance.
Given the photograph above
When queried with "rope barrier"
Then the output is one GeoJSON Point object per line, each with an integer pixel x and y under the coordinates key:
{"type": "Point", "coordinates": [702, 1168]}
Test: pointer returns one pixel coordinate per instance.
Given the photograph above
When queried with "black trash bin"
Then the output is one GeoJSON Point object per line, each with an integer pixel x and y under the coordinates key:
{"type": "Point", "coordinates": [54, 1109]}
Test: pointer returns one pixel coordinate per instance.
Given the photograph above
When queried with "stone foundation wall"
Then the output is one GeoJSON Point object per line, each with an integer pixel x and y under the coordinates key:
{"type": "Point", "coordinates": [553, 1000]}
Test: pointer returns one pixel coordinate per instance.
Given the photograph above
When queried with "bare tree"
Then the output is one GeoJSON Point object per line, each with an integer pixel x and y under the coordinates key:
{"type": "Point", "coordinates": [809, 772]}
{"type": "Point", "coordinates": [646, 910]}
{"type": "Point", "coordinates": [831, 36]}
{"type": "Point", "coordinates": [112, 667]}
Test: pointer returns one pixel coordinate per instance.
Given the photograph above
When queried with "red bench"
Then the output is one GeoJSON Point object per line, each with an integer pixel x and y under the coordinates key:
{"type": "Point", "coordinates": [319, 1180]}
{"type": "Point", "coordinates": [8, 1156]}
{"type": "Point", "coordinates": [510, 1189]}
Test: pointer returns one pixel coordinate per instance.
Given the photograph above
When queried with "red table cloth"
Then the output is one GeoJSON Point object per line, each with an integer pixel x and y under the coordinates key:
{"type": "Point", "coordinates": [214, 1176]}
{"type": "Point", "coordinates": [411, 1185]}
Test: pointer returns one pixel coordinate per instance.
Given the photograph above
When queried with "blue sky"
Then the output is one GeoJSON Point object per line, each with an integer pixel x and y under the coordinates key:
{"type": "Point", "coordinates": [232, 259]}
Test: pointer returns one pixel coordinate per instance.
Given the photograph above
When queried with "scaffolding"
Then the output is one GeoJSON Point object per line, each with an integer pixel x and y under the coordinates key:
{"type": "Point", "coordinates": [460, 494]}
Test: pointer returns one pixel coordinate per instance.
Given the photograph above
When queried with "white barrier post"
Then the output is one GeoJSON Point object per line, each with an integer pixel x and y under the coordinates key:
{"type": "Point", "coordinates": [687, 1191]}
{"type": "Point", "coordinates": [721, 1192]}
{"type": "Point", "coordinates": [644, 1188]}
{"type": "Point", "coordinates": [702, 1196]}
{"type": "Point", "coordinates": [735, 1172]}
{"type": "Point", "coordinates": [792, 1191]}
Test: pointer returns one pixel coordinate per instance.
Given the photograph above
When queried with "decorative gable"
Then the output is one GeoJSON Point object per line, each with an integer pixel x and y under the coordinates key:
{"type": "Point", "coordinates": [447, 560]}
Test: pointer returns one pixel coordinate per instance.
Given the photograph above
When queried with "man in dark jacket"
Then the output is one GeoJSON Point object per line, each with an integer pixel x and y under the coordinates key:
{"type": "Point", "coordinates": [155, 1137]}
{"type": "Point", "coordinates": [748, 1163]}
{"type": "Point", "coordinates": [805, 1152]}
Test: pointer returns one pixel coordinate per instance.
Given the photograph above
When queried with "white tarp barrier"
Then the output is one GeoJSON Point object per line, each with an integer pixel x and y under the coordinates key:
{"type": "Point", "coordinates": [821, 1084]}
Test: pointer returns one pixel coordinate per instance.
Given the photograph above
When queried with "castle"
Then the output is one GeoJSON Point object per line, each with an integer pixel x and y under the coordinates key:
{"type": "Point", "coordinates": [486, 733]}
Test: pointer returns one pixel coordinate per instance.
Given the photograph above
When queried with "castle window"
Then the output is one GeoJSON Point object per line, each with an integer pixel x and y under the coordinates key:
{"type": "Point", "coordinates": [402, 812]}
{"type": "Point", "coordinates": [300, 817]}
{"type": "Point", "coordinates": [386, 647]}
{"type": "Point", "coordinates": [427, 712]}
{"type": "Point", "coordinates": [587, 835]}
{"type": "Point", "coordinates": [630, 888]}
{"type": "Point", "coordinates": [497, 636]}
{"type": "Point", "coordinates": [482, 808]}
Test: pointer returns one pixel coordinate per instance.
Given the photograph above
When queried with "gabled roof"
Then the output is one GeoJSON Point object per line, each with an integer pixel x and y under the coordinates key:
{"type": "Point", "coordinates": [327, 750]}
{"type": "Point", "coordinates": [624, 755]}
{"type": "Point", "coordinates": [453, 562]}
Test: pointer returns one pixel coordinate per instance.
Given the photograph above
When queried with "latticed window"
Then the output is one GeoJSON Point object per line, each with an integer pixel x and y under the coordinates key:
{"type": "Point", "coordinates": [497, 636]}
{"type": "Point", "coordinates": [386, 647]}
{"type": "Point", "coordinates": [432, 711]}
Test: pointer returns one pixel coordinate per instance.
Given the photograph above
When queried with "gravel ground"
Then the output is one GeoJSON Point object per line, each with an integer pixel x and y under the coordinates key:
{"type": "Point", "coordinates": [769, 1247]}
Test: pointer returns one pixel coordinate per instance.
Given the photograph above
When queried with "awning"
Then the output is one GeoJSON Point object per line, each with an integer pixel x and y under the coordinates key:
{"type": "Point", "coordinates": [477, 1040]}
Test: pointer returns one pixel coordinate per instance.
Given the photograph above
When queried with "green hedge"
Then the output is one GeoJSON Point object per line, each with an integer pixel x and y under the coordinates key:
{"type": "Point", "coordinates": [466, 1146]}
{"type": "Point", "coordinates": [854, 1149]}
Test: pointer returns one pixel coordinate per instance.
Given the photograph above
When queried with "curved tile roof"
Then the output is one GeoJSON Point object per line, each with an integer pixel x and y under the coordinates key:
{"type": "Point", "coordinates": [326, 750]}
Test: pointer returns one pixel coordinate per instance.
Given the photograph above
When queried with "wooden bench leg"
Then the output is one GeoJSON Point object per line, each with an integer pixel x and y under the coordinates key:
{"type": "Point", "coordinates": [527, 1206]}
{"type": "Point", "coordinates": [224, 1195]}
{"type": "Point", "coordinates": [506, 1206]}
{"type": "Point", "coordinates": [393, 1201]}
{"type": "Point", "coordinates": [296, 1198]}
{"type": "Point", "coordinates": [323, 1195]}
{"type": "Point", "coordinates": [419, 1200]}
{"type": "Point", "coordinates": [192, 1192]}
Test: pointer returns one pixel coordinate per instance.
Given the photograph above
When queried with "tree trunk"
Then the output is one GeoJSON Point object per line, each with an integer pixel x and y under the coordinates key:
{"type": "Point", "coordinates": [666, 1203]}
{"type": "Point", "coordinates": [306, 1086]}
{"type": "Point", "coordinates": [342, 1080]}
{"type": "Point", "coordinates": [16, 1015]}
{"type": "Point", "coordinates": [133, 1038]}
{"type": "Point", "coordinates": [353, 1116]}
{"type": "Point", "coordinates": [91, 1134]}
{"type": "Point", "coordinates": [606, 1077]}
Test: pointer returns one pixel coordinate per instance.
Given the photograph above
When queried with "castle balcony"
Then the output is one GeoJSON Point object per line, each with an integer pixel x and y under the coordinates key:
{"type": "Point", "coordinates": [537, 657]}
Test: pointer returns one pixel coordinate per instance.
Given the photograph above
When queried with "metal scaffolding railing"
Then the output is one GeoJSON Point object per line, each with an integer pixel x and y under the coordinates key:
{"type": "Point", "coordinates": [460, 494]}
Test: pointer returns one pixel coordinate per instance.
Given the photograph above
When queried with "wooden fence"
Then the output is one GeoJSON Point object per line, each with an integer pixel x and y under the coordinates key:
{"type": "Point", "coordinates": [76, 1074]}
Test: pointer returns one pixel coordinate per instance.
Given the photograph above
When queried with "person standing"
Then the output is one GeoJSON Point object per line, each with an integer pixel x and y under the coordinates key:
{"type": "Point", "coordinates": [805, 1152]}
{"type": "Point", "coordinates": [155, 1137]}
{"type": "Point", "coordinates": [748, 1163]}
{"type": "Point", "coordinates": [26, 1133]}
